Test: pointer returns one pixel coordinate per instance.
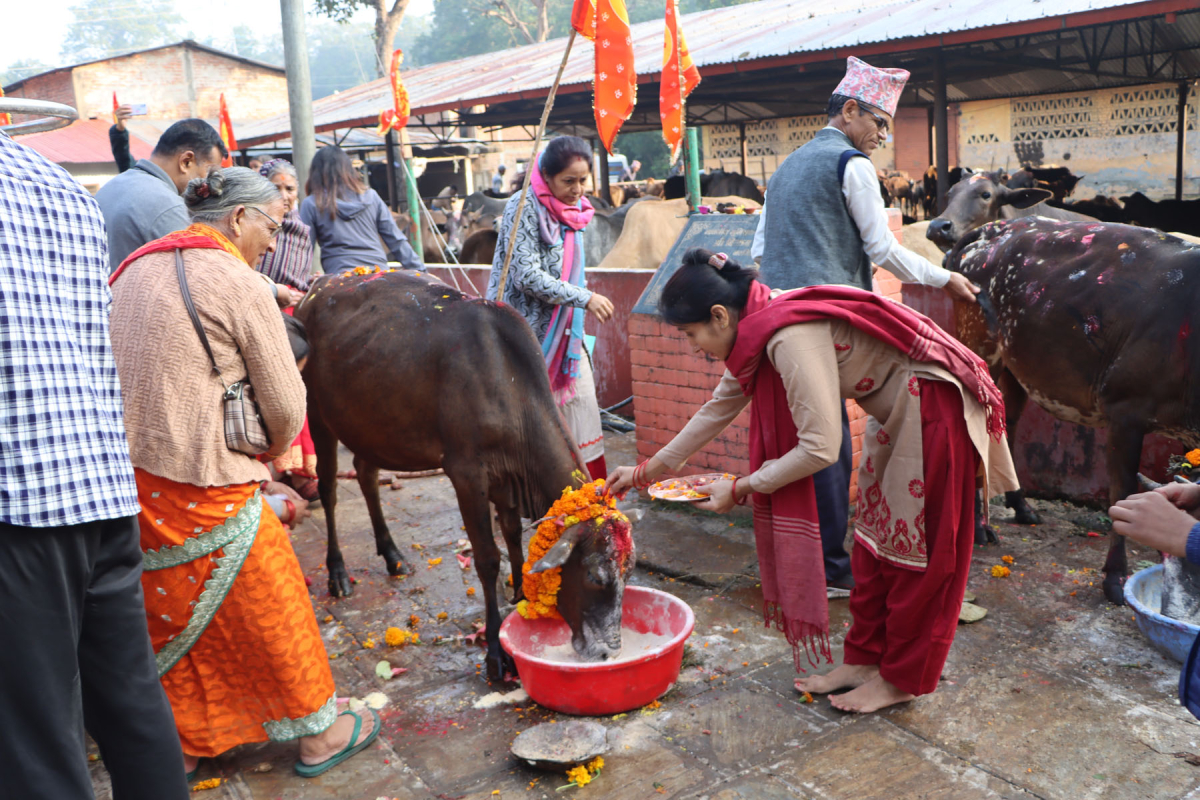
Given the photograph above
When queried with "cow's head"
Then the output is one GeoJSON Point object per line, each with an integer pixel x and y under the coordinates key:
{"type": "Point", "coordinates": [596, 557]}
{"type": "Point", "coordinates": [976, 201]}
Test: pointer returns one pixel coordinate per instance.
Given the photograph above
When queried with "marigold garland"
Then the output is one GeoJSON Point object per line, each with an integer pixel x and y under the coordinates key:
{"type": "Point", "coordinates": [576, 505]}
{"type": "Point", "coordinates": [1193, 458]}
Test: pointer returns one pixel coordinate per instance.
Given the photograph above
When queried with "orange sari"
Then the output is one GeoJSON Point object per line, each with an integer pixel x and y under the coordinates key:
{"type": "Point", "coordinates": [232, 626]}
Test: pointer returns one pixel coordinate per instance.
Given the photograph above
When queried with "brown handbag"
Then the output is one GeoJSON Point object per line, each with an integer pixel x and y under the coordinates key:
{"type": "Point", "coordinates": [245, 431]}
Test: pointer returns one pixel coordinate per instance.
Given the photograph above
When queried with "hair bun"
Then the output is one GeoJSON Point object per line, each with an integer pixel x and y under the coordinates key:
{"type": "Point", "coordinates": [201, 189]}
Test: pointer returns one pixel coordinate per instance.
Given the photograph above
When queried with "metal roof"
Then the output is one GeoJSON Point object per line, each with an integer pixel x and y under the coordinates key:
{"type": "Point", "coordinates": [794, 45]}
{"type": "Point", "coordinates": [84, 141]}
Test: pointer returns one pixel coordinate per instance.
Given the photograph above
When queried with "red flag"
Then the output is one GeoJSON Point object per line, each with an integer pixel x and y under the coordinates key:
{"type": "Point", "coordinates": [614, 85]}
{"type": "Point", "coordinates": [396, 116]}
{"type": "Point", "coordinates": [5, 117]}
{"type": "Point", "coordinates": [226, 131]}
{"type": "Point", "coordinates": [679, 78]}
{"type": "Point", "coordinates": [115, 106]}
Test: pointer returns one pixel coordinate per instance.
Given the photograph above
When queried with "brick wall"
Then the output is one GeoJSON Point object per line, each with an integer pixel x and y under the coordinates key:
{"type": "Point", "coordinates": [159, 79]}
{"type": "Point", "coordinates": [55, 87]}
{"type": "Point", "coordinates": [670, 383]}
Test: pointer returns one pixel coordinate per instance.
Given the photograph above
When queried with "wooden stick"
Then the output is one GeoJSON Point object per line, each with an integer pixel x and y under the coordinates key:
{"type": "Point", "coordinates": [531, 166]}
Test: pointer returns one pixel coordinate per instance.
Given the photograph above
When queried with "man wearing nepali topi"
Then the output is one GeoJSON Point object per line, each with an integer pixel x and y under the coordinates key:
{"type": "Point", "coordinates": [825, 224]}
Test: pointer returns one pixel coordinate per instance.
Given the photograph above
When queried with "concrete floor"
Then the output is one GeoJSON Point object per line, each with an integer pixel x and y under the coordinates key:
{"type": "Point", "coordinates": [1055, 694]}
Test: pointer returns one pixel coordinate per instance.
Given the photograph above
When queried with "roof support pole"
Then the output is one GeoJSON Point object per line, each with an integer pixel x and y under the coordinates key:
{"type": "Point", "coordinates": [299, 89]}
{"type": "Point", "coordinates": [602, 179]}
{"type": "Point", "coordinates": [691, 146]}
{"type": "Point", "coordinates": [412, 195]}
{"type": "Point", "coordinates": [742, 141]}
{"type": "Point", "coordinates": [1180, 138]}
{"type": "Point", "coordinates": [393, 195]}
{"type": "Point", "coordinates": [940, 129]}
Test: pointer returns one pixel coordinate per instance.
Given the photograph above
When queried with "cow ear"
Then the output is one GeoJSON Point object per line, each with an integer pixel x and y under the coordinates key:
{"type": "Point", "coordinates": [1025, 198]}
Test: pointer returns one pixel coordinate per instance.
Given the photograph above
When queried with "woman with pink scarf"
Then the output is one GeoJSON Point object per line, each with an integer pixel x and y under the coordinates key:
{"type": "Point", "coordinates": [546, 283]}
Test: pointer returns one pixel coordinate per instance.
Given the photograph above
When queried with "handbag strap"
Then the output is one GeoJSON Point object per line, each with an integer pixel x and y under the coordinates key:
{"type": "Point", "coordinates": [191, 309]}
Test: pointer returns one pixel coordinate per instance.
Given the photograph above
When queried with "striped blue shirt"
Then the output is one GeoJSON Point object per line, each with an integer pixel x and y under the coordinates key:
{"type": "Point", "coordinates": [63, 455]}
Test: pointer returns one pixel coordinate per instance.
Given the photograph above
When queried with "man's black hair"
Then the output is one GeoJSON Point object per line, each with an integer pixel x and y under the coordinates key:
{"type": "Point", "coordinates": [835, 104]}
{"type": "Point", "coordinates": [190, 134]}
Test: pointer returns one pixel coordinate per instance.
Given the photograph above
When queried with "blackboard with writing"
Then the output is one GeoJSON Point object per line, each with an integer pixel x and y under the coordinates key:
{"type": "Point", "coordinates": [731, 234]}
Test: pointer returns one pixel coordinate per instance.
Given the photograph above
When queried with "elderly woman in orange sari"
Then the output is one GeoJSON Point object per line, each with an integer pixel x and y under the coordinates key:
{"type": "Point", "coordinates": [232, 626]}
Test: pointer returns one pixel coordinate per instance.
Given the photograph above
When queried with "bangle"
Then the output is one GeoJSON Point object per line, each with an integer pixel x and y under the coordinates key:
{"type": "Point", "coordinates": [639, 476]}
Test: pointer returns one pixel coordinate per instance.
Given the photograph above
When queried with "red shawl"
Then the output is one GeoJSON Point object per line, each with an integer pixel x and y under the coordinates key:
{"type": "Point", "coordinates": [786, 529]}
{"type": "Point", "coordinates": [196, 235]}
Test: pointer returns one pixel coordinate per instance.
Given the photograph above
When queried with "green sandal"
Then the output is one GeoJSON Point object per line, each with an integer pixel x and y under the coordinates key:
{"type": "Point", "coordinates": [313, 770]}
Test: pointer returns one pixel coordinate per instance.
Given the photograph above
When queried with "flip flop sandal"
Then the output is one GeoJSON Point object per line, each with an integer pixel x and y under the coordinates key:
{"type": "Point", "coordinates": [313, 770]}
{"type": "Point", "coordinates": [191, 776]}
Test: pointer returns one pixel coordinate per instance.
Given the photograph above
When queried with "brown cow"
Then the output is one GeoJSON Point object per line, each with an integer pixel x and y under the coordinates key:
{"type": "Point", "coordinates": [411, 374]}
{"type": "Point", "coordinates": [1094, 322]}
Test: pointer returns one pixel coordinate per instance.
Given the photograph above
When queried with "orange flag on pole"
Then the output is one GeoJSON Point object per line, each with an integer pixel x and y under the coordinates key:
{"type": "Point", "coordinates": [115, 107]}
{"type": "Point", "coordinates": [226, 131]}
{"type": "Point", "coordinates": [679, 78]}
{"type": "Point", "coordinates": [614, 85]}
{"type": "Point", "coordinates": [397, 116]}
{"type": "Point", "coordinates": [5, 117]}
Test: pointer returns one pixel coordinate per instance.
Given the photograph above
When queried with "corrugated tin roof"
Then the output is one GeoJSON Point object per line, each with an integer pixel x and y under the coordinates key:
{"type": "Point", "coordinates": [742, 38]}
{"type": "Point", "coordinates": [84, 141]}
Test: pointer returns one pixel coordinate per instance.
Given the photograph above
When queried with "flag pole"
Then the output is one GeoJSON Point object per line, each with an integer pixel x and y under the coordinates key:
{"type": "Point", "coordinates": [532, 165]}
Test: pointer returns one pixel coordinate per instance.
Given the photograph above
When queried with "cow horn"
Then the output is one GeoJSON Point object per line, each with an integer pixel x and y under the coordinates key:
{"type": "Point", "coordinates": [557, 555]}
{"type": "Point", "coordinates": [1147, 484]}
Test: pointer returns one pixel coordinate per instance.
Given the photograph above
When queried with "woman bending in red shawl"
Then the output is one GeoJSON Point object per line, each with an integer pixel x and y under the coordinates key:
{"type": "Point", "coordinates": [935, 432]}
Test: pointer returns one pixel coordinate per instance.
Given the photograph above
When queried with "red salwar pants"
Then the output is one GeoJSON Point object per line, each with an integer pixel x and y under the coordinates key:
{"type": "Point", "coordinates": [904, 620]}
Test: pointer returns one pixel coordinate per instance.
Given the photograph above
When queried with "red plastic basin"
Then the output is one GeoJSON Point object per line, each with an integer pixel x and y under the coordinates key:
{"type": "Point", "coordinates": [603, 687]}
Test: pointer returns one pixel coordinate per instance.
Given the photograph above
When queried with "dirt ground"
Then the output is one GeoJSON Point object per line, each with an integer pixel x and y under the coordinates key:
{"type": "Point", "coordinates": [1055, 694]}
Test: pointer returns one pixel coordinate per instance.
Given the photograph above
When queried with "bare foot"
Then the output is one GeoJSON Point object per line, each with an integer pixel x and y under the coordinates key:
{"type": "Point", "coordinates": [190, 762]}
{"type": "Point", "coordinates": [873, 695]}
{"type": "Point", "coordinates": [843, 676]}
{"type": "Point", "coordinates": [325, 745]}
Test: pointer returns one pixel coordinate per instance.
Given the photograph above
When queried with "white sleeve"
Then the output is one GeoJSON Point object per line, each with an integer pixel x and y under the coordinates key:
{"type": "Point", "coordinates": [860, 186]}
{"type": "Point", "coordinates": [759, 243]}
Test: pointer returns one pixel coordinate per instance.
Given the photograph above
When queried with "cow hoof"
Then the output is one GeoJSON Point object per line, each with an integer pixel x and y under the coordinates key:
{"type": "Point", "coordinates": [394, 561]}
{"type": "Point", "coordinates": [500, 667]}
{"type": "Point", "coordinates": [986, 534]}
{"type": "Point", "coordinates": [397, 568]}
{"type": "Point", "coordinates": [1114, 590]}
{"type": "Point", "coordinates": [339, 582]}
{"type": "Point", "coordinates": [1024, 515]}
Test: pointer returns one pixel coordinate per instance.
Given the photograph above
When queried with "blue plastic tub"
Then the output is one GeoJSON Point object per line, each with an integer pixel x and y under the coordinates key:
{"type": "Point", "coordinates": [1171, 637]}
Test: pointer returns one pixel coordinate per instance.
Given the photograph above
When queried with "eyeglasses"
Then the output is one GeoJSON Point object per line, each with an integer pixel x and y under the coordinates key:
{"type": "Point", "coordinates": [880, 122]}
{"type": "Point", "coordinates": [275, 226]}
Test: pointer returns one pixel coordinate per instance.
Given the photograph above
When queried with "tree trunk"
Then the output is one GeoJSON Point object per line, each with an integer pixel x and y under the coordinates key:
{"type": "Point", "coordinates": [387, 25]}
{"type": "Point", "coordinates": [543, 29]}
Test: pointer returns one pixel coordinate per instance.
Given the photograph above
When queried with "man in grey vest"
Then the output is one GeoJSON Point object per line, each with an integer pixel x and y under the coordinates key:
{"type": "Point", "coordinates": [826, 224]}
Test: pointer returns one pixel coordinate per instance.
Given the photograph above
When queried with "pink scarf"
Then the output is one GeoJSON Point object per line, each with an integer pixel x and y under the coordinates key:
{"type": "Point", "coordinates": [562, 346]}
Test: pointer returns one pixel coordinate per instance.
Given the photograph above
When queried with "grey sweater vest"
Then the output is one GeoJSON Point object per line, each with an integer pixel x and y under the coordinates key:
{"type": "Point", "coordinates": [810, 238]}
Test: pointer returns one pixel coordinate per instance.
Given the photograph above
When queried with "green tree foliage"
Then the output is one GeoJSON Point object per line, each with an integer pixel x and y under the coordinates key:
{"type": "Point", "coordinates": [246, 43]}
{"type": "Point", "coordinates": [647, 147]}
{"type": "Point", "coordinates": [104, 28]}
{"type": "Point", "coordinates": [387, 22]}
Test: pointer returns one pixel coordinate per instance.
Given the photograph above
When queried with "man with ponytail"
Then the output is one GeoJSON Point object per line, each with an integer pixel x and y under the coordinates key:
{"type": "Point", "coordinates": [826, 224]}
{"type": "Point", "coordinates": [935, 430]}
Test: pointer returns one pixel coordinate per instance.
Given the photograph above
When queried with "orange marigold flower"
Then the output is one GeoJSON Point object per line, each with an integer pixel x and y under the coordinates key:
{"type": "Point", "coordinates": [1007, 559]}
{"type": "Point", "coordinates": [471, 591]}
{"type": "Point", "coordinates": [1001, 571]}
{"type": "Point", "coordinates": [211, 783]}
{"type": "Point", "coordinates": [1193, 458]}
{"type": "Point", "coordinates": [413, 620]}
{"type": "Point", "coordinates": [395, 637]}
{"type": "Point", "coordinates": [579, 776]}
{"type": "Point", "coordinates": [433, 562]}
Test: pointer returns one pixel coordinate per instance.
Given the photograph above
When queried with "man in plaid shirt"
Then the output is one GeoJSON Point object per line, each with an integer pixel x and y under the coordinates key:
{"type": "Point", "coordinates": [72, 618]}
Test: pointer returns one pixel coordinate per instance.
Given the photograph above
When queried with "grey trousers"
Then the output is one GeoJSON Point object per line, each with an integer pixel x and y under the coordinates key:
{"type": "Point", "coordinates": [76, 655]}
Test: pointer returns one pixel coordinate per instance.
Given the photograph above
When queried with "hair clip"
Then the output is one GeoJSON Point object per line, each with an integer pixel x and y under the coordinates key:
{"type": "Point", "coordinates": [202, 190]}
{"type": "Point", "coordinates": [718, 260]}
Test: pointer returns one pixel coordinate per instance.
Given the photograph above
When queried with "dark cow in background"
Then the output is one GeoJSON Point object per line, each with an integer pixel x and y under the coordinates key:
{"type": "Point", "coordinates": [1167, 215]}
{"type": "Point", "coordinates": [717, 183]}
{"type": "Point", "coordinates": [398, 340]}
{"type": "Point", "coordinates": [1094, 322]}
